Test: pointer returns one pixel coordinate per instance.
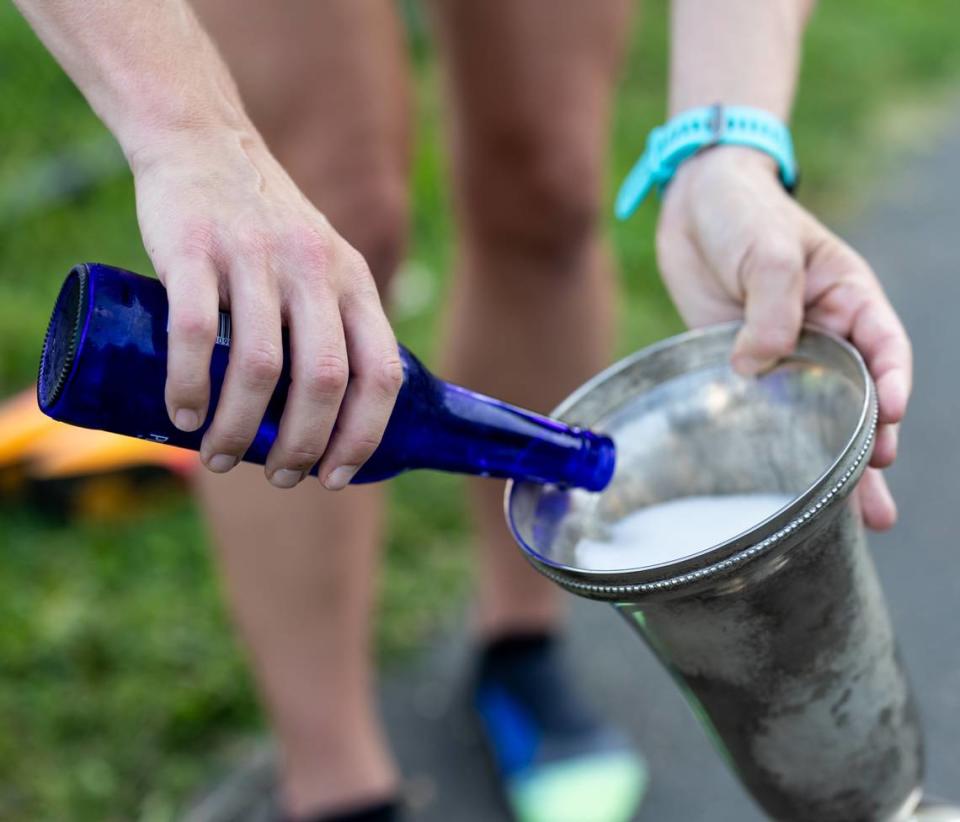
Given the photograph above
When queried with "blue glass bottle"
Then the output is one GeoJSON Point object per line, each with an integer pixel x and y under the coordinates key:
{"type": "Point", "coordinates": [104, 366]}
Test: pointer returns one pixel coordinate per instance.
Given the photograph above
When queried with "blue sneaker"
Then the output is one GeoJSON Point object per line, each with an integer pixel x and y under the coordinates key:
{"type": "Point", "coordinates": [558, 763]}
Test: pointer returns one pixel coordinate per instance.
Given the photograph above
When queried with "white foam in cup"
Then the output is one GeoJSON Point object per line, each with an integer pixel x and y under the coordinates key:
{"type": "Point", "coordinates": [669, 531]}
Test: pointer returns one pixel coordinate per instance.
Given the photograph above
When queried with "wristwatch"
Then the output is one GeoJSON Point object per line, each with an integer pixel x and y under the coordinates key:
{"type": "Point", "coordinates": [698, 129]}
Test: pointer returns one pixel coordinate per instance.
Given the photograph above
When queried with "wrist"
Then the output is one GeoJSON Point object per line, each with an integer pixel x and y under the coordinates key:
{"type": "Point", "coordinates": [155, 144]}
{"type": "Point", "coordinates": [741, 159]}
{"type": "Point", "coordinates": [723, 169]}
{"type": "Point", "coordinates": [150, 114]}
{"type": "Point", "coordinates": [697, 131]}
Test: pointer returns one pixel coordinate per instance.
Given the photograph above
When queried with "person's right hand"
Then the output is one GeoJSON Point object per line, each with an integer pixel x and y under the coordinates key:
{"type": "Point", "coordinates": [225, 225]}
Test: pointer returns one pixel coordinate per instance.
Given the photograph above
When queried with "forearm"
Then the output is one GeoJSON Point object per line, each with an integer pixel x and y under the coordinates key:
{"type": "Point", "coordinates": [147, 68]}
{"type": "Point", "coordinates": [738, 52]}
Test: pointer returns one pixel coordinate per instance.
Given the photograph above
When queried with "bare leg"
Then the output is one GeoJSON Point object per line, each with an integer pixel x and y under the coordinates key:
{"type": "Point", "coordinates": [529, 89]}
{"type": "Point", "coordinates": [326, 85]}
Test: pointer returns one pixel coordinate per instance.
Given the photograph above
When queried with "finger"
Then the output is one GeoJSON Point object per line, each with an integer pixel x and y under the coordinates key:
{"type": "Point", "coordinates": [319, 375]}
{"type": "Point", "coordinates": [699, 296]}
{"type": "Point", "coordinates": [376, 377]}
{"type": "Point", "coordinates": [876, 502]}
{"type": "Point", "coordinates": [256, 360]}
{"type": "Point", "coordinates": [851, 303]}
{"type": "Point", "coordinates": [771, 276]}
{"type": "Point", "coordinates": [893, 394]}
{"type": "Point", "coordinates": [880, 336]}
{"type": "Point", "coordinates": [192, 295]}
{"type": "Point", "coordinates": [885, 448]}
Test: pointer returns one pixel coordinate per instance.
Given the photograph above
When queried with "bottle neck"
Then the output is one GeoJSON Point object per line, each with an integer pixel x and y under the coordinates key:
{"type": "Point", "coordinates": [476, 434]}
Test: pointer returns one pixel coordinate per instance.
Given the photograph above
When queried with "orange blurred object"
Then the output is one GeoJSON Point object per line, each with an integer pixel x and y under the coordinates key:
{"type": "Point", "coordinates": [49, 449]}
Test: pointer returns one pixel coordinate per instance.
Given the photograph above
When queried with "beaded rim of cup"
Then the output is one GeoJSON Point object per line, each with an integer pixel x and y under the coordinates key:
{"type": "Point", "coordinates": [724, 565]}
{"type": "Point", "coordinates": [836, 479]}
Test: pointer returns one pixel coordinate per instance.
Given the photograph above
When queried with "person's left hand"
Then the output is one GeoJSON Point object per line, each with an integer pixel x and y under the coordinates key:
{"type": "Point", "coordinates": [732, 244]}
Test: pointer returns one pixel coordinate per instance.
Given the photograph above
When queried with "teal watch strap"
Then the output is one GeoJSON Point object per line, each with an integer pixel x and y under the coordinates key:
{"type": "Point", "coordinates": [693, 131]}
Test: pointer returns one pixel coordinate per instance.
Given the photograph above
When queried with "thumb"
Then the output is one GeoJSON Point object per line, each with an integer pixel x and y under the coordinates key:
{"type": "Point", "coordinates": [771, 275]}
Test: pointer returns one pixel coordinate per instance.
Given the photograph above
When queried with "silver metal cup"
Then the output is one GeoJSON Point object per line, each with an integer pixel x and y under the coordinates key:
{"type": "Point", "coordinates": [779, 636]}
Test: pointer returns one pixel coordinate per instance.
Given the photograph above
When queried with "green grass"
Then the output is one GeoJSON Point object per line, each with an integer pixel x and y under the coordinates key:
{"type": "Point", "coordinates": [119, 677]}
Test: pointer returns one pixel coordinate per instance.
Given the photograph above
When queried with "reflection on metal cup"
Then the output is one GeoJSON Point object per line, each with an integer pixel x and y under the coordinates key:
{"type": "Point", "coordinates": [777, 632]}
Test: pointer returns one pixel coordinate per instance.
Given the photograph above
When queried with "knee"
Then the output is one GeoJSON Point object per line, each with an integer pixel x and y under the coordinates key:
{"type": "Point", "coordinates": [533, 192]}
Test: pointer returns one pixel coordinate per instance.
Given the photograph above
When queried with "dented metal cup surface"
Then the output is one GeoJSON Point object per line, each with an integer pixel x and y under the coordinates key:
{"type": "Point", "coordinates": [779, 636]}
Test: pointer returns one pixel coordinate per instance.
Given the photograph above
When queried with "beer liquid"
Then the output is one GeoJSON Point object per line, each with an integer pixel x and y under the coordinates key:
{"type": "Point", "coordinates": [670, 531]}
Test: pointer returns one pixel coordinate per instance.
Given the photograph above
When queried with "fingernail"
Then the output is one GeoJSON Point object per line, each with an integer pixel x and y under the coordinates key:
{"type": "Point", "coordinates": [286, 478]}
{"type": "Point", "coordinates": [186, 420]}
{"type": "Point", "coordinates": [221, 463]}
{"type": "Point", "coordinates": [339, 478]}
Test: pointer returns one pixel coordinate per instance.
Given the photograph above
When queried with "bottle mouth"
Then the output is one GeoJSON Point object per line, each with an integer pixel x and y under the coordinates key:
{"type": "Point", "coordinates": [62, 341]}
{"type": "Point", "coordinates": [603, 461]}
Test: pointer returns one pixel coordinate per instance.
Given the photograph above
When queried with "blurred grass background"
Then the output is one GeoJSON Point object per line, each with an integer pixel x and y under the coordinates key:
{"type": "Point", "coordinates": [120, 680]}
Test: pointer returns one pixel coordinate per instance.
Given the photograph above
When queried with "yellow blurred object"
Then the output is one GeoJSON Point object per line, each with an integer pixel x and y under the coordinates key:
{"type": "Point", "coordinates": [51, 449]}
{"type": "Point", "coordinates": [21, 422]}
